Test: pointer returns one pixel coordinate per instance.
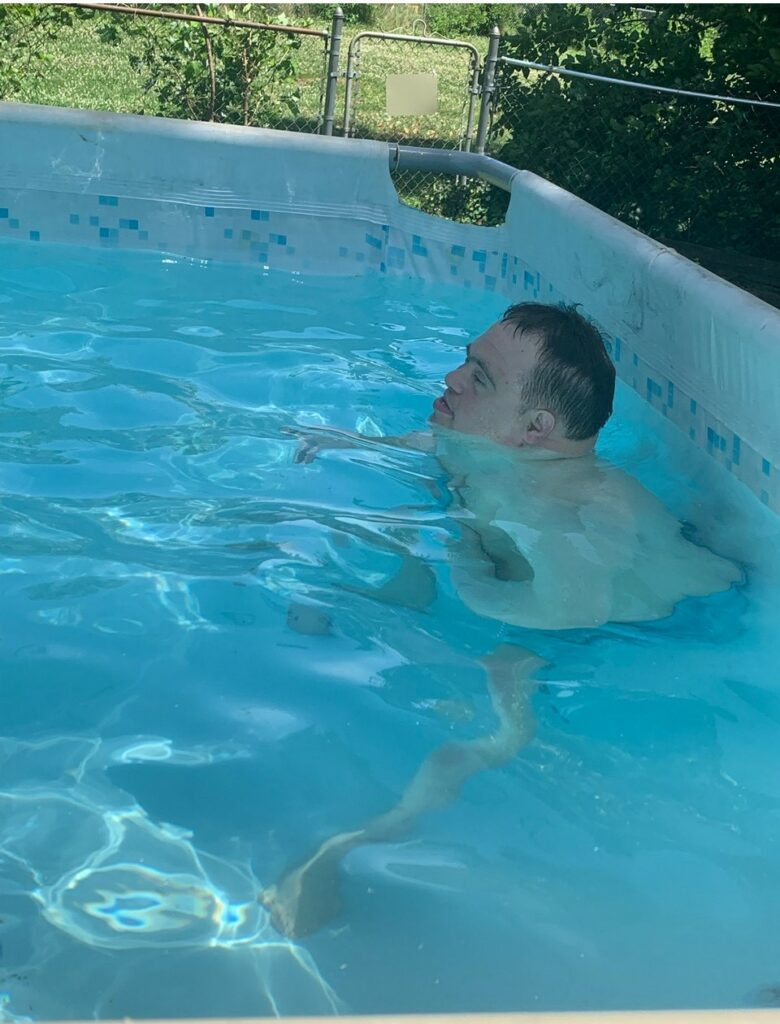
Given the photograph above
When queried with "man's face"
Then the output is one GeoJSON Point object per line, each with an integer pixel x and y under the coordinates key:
{"type": "Point", "coordinates": [483, 394]}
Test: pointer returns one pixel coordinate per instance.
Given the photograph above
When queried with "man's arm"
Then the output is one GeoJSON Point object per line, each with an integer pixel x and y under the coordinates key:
{"type": "Point", "coordinates": [314, 441]}
{"type": "Point", "coordinates": [554, 585]}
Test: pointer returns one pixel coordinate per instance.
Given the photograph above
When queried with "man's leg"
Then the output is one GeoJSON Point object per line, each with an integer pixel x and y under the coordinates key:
{"type": "Point", "coordinates": [307, 897]}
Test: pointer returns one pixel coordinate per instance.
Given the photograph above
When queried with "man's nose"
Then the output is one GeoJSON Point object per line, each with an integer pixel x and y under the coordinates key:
{"type": "Point", "coordinates": [454, 378]}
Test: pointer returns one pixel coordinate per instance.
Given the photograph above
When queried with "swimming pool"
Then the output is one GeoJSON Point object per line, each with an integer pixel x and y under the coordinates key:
{"type": "Point", "coordinates": [172, 742]}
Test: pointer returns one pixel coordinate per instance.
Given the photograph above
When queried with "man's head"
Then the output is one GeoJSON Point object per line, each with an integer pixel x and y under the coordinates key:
{"type": "Point", "coordinates": [540, 377]}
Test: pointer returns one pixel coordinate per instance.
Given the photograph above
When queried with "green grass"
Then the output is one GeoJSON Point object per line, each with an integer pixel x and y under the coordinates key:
{"type": "Point", "coordinates": [449, 65]}
{"type": "Point", "coordinates": [80, 70]}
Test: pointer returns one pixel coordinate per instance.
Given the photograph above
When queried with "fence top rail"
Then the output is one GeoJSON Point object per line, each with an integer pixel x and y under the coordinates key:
{"type": "Point", "coordinates": [202, 18]}
{"type": "Point", "coordinates": [553, 69]}
{"type": "Point", "coordinates": [415, 39]}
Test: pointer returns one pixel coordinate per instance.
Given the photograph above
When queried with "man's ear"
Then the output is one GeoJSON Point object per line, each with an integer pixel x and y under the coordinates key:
{"type": "Point", "coordinates": [538, 424]}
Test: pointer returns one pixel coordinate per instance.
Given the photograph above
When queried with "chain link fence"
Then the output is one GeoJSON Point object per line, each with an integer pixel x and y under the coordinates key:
{"type": "Point", "coordinates": [449, 68]}
{"type": "Point", "coordinates": [223, 68]}
{"type": "Point", "coordinates": [693, 171]}
{"type": "Point", "coordinates": [193, 61]}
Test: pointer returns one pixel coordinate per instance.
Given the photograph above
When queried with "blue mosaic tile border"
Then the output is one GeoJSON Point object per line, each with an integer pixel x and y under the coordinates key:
{"type": "Point", "coordinates": [302, 242]}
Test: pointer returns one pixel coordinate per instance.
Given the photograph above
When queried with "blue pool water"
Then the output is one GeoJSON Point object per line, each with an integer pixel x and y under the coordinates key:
{"type": "Point", "coordinates": [170, 745]}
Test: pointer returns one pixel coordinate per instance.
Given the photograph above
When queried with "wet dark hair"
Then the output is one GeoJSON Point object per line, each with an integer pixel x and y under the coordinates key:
{"type": "Point", "coordinates": [575, 377]}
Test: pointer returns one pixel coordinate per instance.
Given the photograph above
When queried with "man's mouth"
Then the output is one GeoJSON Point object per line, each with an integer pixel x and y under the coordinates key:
{"type": "Point", "coordinates": [440, 405]}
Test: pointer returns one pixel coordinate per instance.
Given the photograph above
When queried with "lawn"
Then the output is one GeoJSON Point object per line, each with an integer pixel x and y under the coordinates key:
{"type": "Point", "coordinates": [82, 70]}
{"type": "Point", "coordinates": [79, 70]}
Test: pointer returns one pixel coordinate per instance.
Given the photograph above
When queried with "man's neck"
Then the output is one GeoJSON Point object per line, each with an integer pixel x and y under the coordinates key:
{"type": "Point", "coordinates": [558, 448]}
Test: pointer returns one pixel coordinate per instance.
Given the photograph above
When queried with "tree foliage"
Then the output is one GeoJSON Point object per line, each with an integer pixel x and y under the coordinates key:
{"type": "Point", "coordinates": [455, 20]}
{"type": "Point", "coordinates": [25, 32]}
{"type": "Point", "coordinates": [679, 169]}
{"type": "Point", "coordinates": [210, 73]}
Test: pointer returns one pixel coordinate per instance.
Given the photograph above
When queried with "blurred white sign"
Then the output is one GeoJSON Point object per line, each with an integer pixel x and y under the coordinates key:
{"type": "Point", "coordinates": [411, 94]}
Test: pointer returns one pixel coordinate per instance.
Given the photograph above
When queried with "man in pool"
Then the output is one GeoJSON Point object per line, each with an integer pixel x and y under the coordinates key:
{"type": "Point", "coordinates": [551, 538]}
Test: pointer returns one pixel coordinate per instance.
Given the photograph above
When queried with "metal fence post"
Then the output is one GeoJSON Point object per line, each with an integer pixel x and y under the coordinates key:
{"type": "Point", "coordinates": [348, 87]}
{"type": "Point", "coordinates": [331, 87]}
{"type": "Point", "coordinates": [488, 88]}
{"type": "Point", "coordinates": [473, 93]}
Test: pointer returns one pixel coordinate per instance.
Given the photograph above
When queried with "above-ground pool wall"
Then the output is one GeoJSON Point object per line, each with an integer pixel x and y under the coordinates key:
{"type": "Point", "coordinates": [703, 352]}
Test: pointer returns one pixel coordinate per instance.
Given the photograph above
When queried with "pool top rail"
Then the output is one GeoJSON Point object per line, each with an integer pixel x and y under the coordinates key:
{"type": "Point", "coordinates": [751, 1016]}
{"type": "Point", "coordinates": [452, 161]}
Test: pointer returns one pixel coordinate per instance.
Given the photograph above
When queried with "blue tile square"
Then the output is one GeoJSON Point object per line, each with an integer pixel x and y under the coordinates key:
{"type": "Point", "coordinates": [736, 449]}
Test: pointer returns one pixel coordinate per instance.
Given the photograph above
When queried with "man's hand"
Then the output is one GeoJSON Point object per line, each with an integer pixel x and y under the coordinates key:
{"type": "Point", "coordinates": [311, 444]}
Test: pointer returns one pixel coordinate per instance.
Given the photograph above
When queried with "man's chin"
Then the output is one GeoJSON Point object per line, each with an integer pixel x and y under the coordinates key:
{"type": "Point", "coordinates": [440, 419]}
{"type": "Point", "coordinates": [437, 419]}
